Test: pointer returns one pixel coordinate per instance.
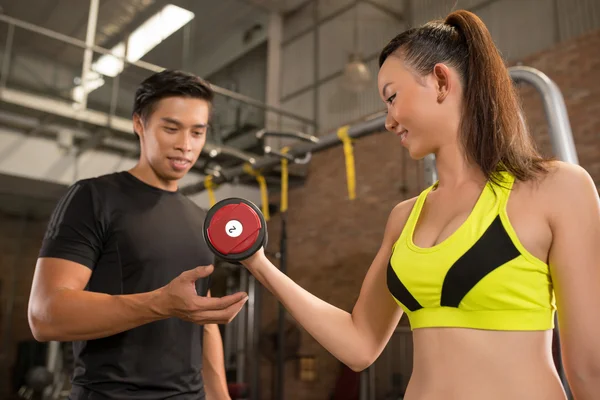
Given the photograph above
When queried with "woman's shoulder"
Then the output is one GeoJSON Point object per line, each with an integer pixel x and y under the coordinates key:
{"type": "Point", "coordinates": [561, 182]}
{"type": "Point", "coordinates": [399, 216]}
{"type": "Point", "coordinates": [402, 210]}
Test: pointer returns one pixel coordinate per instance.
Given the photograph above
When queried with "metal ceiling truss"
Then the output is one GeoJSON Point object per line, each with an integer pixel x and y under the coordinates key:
{"type": "Point", "coordinates": [118, 133]}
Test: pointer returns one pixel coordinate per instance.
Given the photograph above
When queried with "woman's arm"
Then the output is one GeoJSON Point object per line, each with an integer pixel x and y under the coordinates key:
{"type": "Point", "coordinates": [575, 261]}
{"type": "Point", "coordinates": [355, 339]}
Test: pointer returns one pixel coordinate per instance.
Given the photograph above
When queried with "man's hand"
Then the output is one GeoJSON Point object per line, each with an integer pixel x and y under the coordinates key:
{"type": "Point", "coordinates": [179, 299]}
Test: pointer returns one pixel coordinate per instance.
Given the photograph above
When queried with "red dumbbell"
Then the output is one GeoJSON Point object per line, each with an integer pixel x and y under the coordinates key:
{"type": "Point", "coordinates": [234, 229]}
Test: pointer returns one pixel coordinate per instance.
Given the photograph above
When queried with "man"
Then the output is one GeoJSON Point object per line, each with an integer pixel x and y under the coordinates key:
{"type": "Point", "coordinates": [123, 269]}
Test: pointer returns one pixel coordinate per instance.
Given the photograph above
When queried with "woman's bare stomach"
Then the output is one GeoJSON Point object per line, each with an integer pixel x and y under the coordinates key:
{"type": "Point", "coordinates": [466, 364]}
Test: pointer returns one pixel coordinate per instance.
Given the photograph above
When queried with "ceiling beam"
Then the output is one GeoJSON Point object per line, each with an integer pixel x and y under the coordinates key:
{"type": "Point", "coordinates": [386, 9]}
{"type": "Point", "coordinates": [97, 118]}
{"type": "Point", "coordinates": [279, 6]}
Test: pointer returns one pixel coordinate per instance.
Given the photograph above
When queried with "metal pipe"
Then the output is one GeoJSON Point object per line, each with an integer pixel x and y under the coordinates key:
{"type": "Point", "coordinates": [316, 63]}
{"type": "Point", "coordinates": [150, 67]}
{"type": "Point", "coordinates": [228, 340]}
{"type": "Point", "coordinates": [240, 364]}
{"type": "Point", "coordinates": [186, 47]}
{"type": "Point", "coordinates": [252, 102]}
{"type": "Point", "coordinates": [88, 53]}
{"type": "Point", "coordinates": [114, 98]}
{"type": "Point", "coordinates": [429, 170]}
{"type": "Point", "coordinates": [371, 374]}
{"type": "Point", "coordinates": [7, 55]}
{"type": "Point", "coordinates": [363, 387]}
{"type": "Point", "coordinates": [561, 135]}
{"type": "Point", "coordinates": [254, 344]}
{"type": "Point", "coordinates": [280, 383]}
{"type": "Point", "coordinates": [374, 125]}
{"type": "Point", "coordinates": [250, 322]}
{"type": "Point", "coordinates": [289, 134]}
{"type": "Point", "coordinates": [563, 145]}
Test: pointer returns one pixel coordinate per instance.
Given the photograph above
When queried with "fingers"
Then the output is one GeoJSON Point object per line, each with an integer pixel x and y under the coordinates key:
{"type": "Point", "coordinates": [199, 272]}
{"type": "Point", "coordinates": [219, 303]}
{"type": "Point", "coordinates": [223, 316]}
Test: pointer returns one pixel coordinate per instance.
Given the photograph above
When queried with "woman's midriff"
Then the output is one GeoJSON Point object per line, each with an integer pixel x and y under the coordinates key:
{"type": "Point", "coordinates": [466, 364]}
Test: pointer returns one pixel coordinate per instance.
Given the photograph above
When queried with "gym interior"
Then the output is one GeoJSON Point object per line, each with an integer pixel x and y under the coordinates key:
{"type": "Point", "coordinates": [297, 129]}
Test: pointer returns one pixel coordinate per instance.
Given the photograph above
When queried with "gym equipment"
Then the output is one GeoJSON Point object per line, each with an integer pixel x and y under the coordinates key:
{"type": "Point", "coordinates": [235, 229]}
{"type": "Point", "coordinates": [39, 378]}
{"type": "Point", "coordinates": [281, 342]}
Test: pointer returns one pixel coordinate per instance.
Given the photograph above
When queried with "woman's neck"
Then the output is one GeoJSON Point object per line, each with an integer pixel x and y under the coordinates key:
{"type": "Point", "coordinates": [454, 170]}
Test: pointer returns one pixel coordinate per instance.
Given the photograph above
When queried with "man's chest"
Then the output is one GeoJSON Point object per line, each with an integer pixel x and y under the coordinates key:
{"type": "Point", "coordinates": [155, 243]}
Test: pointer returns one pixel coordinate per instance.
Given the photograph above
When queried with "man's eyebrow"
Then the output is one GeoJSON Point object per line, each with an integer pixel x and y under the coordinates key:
{"type": "Point", "coordinates": [176, 122]}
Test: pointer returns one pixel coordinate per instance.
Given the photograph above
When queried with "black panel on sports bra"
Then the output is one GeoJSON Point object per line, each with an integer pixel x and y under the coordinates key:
{"type": "Point", "coordinates": [491, 251]}
{"type": "Point", "coordinates": [399, 291]}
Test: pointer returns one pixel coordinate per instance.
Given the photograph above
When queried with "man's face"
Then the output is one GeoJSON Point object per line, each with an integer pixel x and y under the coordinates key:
{"type": "Point", "coordinates": [173, 135]}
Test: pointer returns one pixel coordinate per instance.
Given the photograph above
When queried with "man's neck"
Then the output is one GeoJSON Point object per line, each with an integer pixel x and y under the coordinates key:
{"type": "Point", "coordinates": [147, 175]}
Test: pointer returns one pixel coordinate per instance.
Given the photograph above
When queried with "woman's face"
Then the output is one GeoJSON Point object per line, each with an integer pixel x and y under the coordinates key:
{"type": "Point", "coordinates": [423, 111]}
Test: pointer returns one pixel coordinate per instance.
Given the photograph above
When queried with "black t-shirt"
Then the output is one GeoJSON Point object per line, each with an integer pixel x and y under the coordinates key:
{"type": "Point", "coordinates": [135, 238]}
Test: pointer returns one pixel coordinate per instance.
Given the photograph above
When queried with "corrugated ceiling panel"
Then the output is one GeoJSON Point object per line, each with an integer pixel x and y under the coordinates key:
{"type": "Point", "coordinates": [328, 7]}
{"type": "Point", "coordinates": [520, 30]}
{"type": "Point", "coordinates": [376, 29]}
{"type": "Point", "coordinates": [336, 37]}
{"type": "Point", "coordinates": [335, 43]}
{"type": "Point", "coordinates": [302, 105]}
{"type": "Point", "coordinates": [298, 21]}
{"type": "Point", "coordinates": [297, 64]}
{"type": "Point", "coordinates": [338, 106]}
{"type": "Point", "coordinates": [248, 77]}
{"type": "Point", "coordinates": [577, 17]}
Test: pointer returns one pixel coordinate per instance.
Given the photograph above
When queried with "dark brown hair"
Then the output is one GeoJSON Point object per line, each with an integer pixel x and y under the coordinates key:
{"type": "Point", "coordinates": [169, 83]}
{"type": "Point", "coordinates": [493, 131]}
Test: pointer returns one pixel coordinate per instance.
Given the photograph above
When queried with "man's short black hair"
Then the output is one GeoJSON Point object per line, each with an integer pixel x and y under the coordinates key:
{"type": "Point", "coordinates": [169, 83]}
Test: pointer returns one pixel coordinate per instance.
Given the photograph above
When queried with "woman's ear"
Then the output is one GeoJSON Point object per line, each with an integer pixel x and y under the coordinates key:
{"type": "Point", "coordinates": [443, 77]}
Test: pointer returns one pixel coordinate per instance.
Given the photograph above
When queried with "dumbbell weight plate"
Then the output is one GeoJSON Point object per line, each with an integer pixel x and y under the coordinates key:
{"type": "Point", "coordinates": [234, 229]}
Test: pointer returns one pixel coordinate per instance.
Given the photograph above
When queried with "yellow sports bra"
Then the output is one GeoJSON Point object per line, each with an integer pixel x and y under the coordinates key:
{"type": "Point", "coordinates": [480, 277]}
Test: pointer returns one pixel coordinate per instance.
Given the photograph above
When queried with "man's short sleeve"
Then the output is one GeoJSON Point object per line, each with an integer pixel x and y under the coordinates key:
{"type": "Point", "coordinates": [75, 231]}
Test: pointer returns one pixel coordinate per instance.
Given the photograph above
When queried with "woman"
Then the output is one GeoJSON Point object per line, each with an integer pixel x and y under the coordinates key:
{"type": "Point", "coordinates": [479, 260]}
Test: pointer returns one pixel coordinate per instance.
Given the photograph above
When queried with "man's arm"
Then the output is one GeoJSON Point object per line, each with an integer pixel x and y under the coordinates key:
{"type": "Point", "coordinates": [61, 310]}
{"type": "Point", "coordinates": [213, 372]}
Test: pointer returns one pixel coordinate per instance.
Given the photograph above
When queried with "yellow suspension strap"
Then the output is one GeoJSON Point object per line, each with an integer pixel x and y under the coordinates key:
{"type": "Point", "coordinates": [342, 133]}
{"type": "Point", "coordinates": [284, 180]}
{"type": "Point", "coordinates": [210, 188]}
{"type": "Point", "coordinates": [263, 189]}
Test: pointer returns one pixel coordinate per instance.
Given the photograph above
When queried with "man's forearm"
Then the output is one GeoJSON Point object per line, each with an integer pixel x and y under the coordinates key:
{"type": "Point", "coordinates": [213, 371]}
{"type": "Point", "coordinates": [71, 315]}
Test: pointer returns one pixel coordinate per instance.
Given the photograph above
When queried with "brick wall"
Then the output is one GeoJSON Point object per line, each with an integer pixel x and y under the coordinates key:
{"type": "Point", "coordinates": [572, 66]}
{"type": "Point", "coordinates": [19, 244]}
{"type": "Point", "coordinates": [332, 241]}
